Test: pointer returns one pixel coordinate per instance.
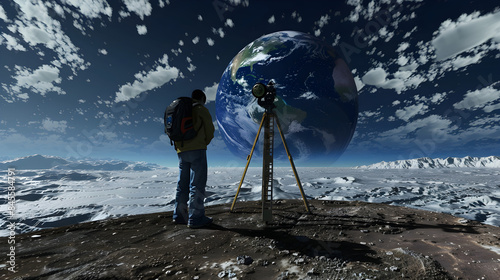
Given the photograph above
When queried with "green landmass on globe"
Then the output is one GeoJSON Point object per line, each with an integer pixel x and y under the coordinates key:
{"type": "Point", "coordinates": [253, 53]}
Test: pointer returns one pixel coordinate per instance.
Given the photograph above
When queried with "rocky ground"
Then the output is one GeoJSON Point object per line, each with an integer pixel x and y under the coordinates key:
{"type": "Point", "coordinates": [338, 240]}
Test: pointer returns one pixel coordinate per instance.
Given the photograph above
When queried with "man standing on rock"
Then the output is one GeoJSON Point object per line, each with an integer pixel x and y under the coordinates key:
{"type": "Point", "coordinates": [193, 168]}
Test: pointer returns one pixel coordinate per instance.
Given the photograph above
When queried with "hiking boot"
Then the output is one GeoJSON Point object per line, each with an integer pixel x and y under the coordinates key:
{"type": "Point", "coordinates": [179, 221]}
{"type": "Point", "coordinates": [205, 221]}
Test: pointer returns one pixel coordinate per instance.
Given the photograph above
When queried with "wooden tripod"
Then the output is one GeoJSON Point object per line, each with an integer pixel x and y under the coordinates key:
{"type": "Point", "coordinates": [268, 120]}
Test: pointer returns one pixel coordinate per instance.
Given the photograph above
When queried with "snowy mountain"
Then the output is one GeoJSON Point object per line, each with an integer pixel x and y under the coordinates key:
{"type": "Point", "coordinates": [51, 162]}
{"type": "Point", "coordinates": [425, 162]}
{"type": "Point", "coordinates": [34, 162]}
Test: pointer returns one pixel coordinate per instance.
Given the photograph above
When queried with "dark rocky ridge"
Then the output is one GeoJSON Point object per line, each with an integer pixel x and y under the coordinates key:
{"type": "Point", "coordinates": [339, 240]}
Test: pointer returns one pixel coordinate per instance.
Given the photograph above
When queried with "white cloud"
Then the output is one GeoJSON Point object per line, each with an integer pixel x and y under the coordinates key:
{"type": "Point", "coordinates": [403, 79]}
{"type": "Point", "coordinates": [296, 16]}
{"type": "Point", "coordinates": [425, 134]}
{"type": "Point", "coordinates": [142, 29]}
{"type": "Point", "coordinates": [177, 51]}
{"type": "Point", "coordinates": [229, 23]}
{"type": "Point", "coordinates": [58, 9]}
{"type": "Point", "coordinates": [210, 41]}
{"type": "Point", "coordinates": [56, 126]}
{"type": "Point", "coordinates": [409, 112]}
{"type": "Point", "coordinates": [160, 75]}
{"type": "Point", "coordinates": [481, 99]}
{"type": "Point", "coordinates": [374, 77]}
{"type": "Point", "coordinates": [124, 14]}
{"type": "Point", "coordinates": [219, 32]}
{"type": "Point", "coordinates": [41, 80]}
{"type": "Point", "coordinates": [359, 83]}
{"type": "Point", "coordinates": [323, 20]}
{"type": "Point", "coordinates": [468, 32]}
{"type": "Point", "coordinates": [11, 43]}
{"type": "Point", "coordinates": [370, 114]}
{"type": "Point", "coordinates": [196, 40]}
{"type": "Point", "coordinates": [141, 8]}
{"type": "Point", "coordinates": [34, 35]}
{"type": "Point", "coordinates": [244, 3]}
{"type": "Point", "coordinates": [191, 67]}
{"type": "Point", "coordinates": [37, 28]}
{"type": "Point", "coordinates": [494, 120]}
{"type": "Point", "coordinates": [23, 96]}
{"type": "Point", "coordinates": [163, 3]}
{"type": "Point", "coordinates": [91, 8]}
{"type": "Point", "coordinates": [271, 19]}
{"type": "Point", "coordinates": [402, 47]}
{"type": "Point", "coordinates": [200, 18]}
{"type": "Point", "coordinates": [44, 73]}
{"type": "Point", "coordinates": [420, 108]}
{"type": "Point", "coordinates": [431, 127]}
{"type": "Point", "coordinates": [103, 51]}
{"type": "Point", "coordinates": [211, 92]}
{"type": "Point", "coordinates": [384, 33]}
{"type": "Point", "coordinates": [402, 60]}
{"type": "Point", "coordinates": [3, 15]}
{"type": "Point", "coordinates": [355, 13]}
{"type": "Point", "coordinates": [462, 61]}
{"type": "Point", "coordinates": [308, 95]}
{"type": "Point", "coordinates": [491, 108]}
{"type": "Point", "coordinates": [438, 98]}
{"type": "Point", "coordinates": [478, 131]}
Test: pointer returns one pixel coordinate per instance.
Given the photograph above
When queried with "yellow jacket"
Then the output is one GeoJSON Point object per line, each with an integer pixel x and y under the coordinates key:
{"type": "Point", "coordinates": [202, 121]}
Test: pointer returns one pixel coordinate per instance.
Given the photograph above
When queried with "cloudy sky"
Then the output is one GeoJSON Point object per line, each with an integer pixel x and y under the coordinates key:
{"type": "Point", "coordinates": [91, 78]}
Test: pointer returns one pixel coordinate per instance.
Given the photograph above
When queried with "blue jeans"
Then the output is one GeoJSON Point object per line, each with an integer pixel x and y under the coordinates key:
{"type": "Point", "coordinates": [191, 185]}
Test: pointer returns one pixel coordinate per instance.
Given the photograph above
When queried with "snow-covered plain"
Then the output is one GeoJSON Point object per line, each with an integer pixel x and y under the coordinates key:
{"type": "Point", "coordinates": [56, 197]}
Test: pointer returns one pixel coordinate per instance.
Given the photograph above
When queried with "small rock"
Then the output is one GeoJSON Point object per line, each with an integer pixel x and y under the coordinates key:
{"type": "Point", "coordinates": [263, 262]}
{"type": "Point", "coordinates": [394, 268]}
{"type": "Point", "coordinates": [283, 276]}
{"type": "Point", "coordinates": [312, 272]}
{"type": "Point", "coordinates": [299, 261]}
{"type": "Point", "coordinates": [246, 260]}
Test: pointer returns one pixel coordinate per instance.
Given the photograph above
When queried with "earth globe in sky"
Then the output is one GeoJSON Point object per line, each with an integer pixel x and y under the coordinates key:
{"type": "Point", "coordinates": [316, 98]}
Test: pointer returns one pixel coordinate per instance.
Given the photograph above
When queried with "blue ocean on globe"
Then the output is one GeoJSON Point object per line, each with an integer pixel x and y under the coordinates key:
{"type": "Point", "coordinates": [316, 98]}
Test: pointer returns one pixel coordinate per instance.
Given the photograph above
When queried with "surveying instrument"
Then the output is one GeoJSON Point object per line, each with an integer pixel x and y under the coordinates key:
{"type": "Point", "coordinates": [265, 98]}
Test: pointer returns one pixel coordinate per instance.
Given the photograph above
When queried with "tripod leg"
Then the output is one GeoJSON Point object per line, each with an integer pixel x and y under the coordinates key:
{"type": "Point", "coordinates": [267, 168]}
{"type": "Point", "coordinates": [248, 161]}
{"type": "Point", "coordinates": [293, 165]}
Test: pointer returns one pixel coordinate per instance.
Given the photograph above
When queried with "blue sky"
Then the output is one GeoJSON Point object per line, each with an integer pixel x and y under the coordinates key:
{"type": "Point", "coordinates": [91, 79]}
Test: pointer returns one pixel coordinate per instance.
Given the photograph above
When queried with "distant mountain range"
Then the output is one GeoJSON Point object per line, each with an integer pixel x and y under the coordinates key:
{"type": "Point", "coordinates": [51, 162]}
{"type": "Point", "coordinates": [421, 163]}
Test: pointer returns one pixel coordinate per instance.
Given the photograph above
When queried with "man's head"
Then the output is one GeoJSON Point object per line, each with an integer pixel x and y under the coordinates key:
{"type": "Point", "coordinates": [199, 95]}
